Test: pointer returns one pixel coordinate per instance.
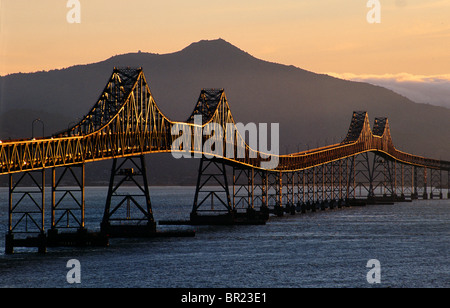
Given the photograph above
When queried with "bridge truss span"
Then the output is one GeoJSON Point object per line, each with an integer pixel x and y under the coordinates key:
{"type": "Point", "coordinates": [126, 123]}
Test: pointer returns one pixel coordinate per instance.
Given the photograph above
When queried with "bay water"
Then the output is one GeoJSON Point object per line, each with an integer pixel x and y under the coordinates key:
{"type": "Point", "coordinates": [328, 248]}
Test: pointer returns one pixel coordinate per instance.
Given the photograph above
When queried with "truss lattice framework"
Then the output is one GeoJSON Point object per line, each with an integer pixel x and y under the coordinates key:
{"type": "Point", "coordinates": [126, 121]}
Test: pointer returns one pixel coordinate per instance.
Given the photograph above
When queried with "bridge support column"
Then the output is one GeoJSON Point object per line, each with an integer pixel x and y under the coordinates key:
{"type": "Point", "coordinates": [290, 179]}
{"type": "Point", "coordinates": [329, 176]}
{"type": "Point", "coordinates": [271, 189]}
{"type": "Point", "coordinates": [360, 180]}
{"type": "Point", "coordinates": [301, 191]}
{"type": "Point", "coordinates": [346, 178]}
{"type": "Point", "coordinates": [336, 184]}
{"type": "Point", "coordinates": [415, 181]}
{"type": "Point", "coordinates": [243, 189]}
{"type": "Point", "coordinates": [436, 184]}
{"type": "Point", "coordinates": [448, 184]}
{"type": "Point", "coordinates": [249, 193]}
{"type": "Point", "coordinates": [274, 193]}
{"type": "Point", "coordinates": [405, 182]}
{"type": "Point", "coordinates": [69, 201]}
{"type": "Point", "coordinates": [128, 211]}
{"type": "Point", "coordinates": [408, 181]}
{"type": "Point", "coordinates": [212, 195]}
{"type": "Point", "coordinates": [320, 192]}
{"type": "Point", "coordinates": [402, 180]}
{"type": "Point", "coordinates": [420, 183]}
{"type": "Point", "coordinates": [68, 210]}
{"type": "Point", "coordinates": [310, 188]}
{"type": "Point", "coordinates": [259, 195]}
{"type": "Point", "coordinates": [26, 216]}
{"type": "Point", "coordinates": [213, 203]}
{"type": "Point", "coordinates": [264, 191]}
{"type": "Point", "coordinates": [279, 211]}
{"type": "Point", "coordinates": [383, 178]}
{"type": "Point", "coordinates": [425, 184]}
{"type": "Point", "coordinates": [351, 180]}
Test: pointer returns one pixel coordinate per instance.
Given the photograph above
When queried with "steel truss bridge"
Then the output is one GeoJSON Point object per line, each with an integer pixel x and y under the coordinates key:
{"type": "Point", "coordinates": [125, 124]}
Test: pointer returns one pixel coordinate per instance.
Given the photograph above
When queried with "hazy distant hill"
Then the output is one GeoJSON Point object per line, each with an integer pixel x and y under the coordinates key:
{"type": "Point", "coordinates": [312, 109]}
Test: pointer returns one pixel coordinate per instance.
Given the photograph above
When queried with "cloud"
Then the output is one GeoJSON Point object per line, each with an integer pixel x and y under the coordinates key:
{"type": "Point", "coordinates": [425, 89]}
{"type": "Point", "coordinates": [402, 4]}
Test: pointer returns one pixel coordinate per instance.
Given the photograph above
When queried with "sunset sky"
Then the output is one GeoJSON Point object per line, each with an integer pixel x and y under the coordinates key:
{"type": "Point", "coordinates": [323, 36]}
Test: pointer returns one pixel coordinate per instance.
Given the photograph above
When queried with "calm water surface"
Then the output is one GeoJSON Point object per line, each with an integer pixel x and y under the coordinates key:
{"type": "Point", "coordinates": [322, 249]}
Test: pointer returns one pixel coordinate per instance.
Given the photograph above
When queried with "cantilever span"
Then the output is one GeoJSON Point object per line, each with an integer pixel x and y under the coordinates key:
{"type": "Point", "coordinates": [126, 121]}
{"type": "Point", "coordinates": [360, 138]}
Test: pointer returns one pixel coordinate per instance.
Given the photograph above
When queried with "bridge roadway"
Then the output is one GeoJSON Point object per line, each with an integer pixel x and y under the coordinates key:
{"type": "Point", "coordinates": [126, 123]}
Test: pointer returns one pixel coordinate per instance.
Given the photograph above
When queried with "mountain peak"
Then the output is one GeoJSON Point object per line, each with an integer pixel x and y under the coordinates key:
{"type": "Point", "coordinates": [218, 46]}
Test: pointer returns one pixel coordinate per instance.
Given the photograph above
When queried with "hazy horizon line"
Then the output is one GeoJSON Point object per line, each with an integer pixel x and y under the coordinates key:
{"type": "Point", "coordinates": [423, 89]}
